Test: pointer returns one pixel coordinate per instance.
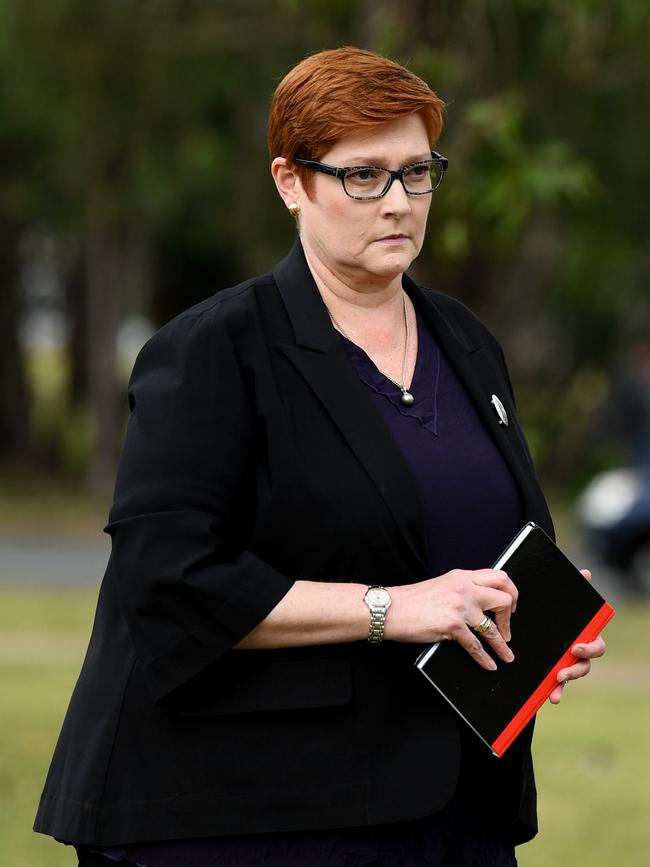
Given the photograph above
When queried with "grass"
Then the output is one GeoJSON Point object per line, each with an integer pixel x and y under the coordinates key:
{"type": "Point", "coordinates": [592, 752]}
{"type": "Point", "coordinates": [43, 635]}
{"type": "Point", "coordinates": [593, 759]}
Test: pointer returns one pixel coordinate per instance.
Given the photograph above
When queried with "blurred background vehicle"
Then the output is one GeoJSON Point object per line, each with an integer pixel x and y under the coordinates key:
{"type": "Point", "coordinates": [614, 516]}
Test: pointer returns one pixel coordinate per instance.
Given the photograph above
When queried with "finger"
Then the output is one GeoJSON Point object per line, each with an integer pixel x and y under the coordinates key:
{"type": "Point", "coordinates": [556, 695]}
{"type": "Point", "coordinates": [469, 642]}
{"type": "Point", "coordinates": [573, 672]}
{"type": "Point", "coordinates": [494, 638]}
{"type": "Point", "coordinates": [497, 640]}
{"type": "Point", "coordinates": [502, 620]}
{"type": "Point", "coordinates": [591, 650]}
{"type": "Point", "coordinates": [500, 603]}
{"type": "Point", "coordinates": [491, 599]}
{"type": "Point", "coordinates": [499, 580]}
{"type": "Point", "coordinates": [586, 573]}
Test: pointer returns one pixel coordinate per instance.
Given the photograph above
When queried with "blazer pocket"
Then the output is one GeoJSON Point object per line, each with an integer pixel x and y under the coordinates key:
{"type": "Point", "coordinates": [244, 686]}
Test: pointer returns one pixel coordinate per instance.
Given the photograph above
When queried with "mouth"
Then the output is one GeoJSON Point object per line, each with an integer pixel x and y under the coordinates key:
{"type": "Point", "coordinates": [396, 237]}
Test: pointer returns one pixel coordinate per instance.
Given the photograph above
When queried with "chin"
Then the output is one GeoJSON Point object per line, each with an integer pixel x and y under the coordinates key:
{"type": "Point", "coordinates": [392, 264]}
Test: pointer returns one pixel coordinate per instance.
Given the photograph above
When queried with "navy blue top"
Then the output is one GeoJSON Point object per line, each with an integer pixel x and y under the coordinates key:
{"type": "Point", "coordinates": [471, 504]}
{"type": "Point", "coordinates": [472, 508]}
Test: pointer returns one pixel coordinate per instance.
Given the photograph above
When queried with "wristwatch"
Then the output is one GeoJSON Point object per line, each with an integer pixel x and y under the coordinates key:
{"type": "Point", "coordinates": [378, 601]}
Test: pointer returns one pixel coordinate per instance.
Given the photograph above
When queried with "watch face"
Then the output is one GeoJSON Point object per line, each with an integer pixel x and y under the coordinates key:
{"type": "Point", "coordinates": [378, 596]}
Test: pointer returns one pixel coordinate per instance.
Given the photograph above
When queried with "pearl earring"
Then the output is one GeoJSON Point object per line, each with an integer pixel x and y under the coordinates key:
{"type": "Point", "coordinates": [294, 209]}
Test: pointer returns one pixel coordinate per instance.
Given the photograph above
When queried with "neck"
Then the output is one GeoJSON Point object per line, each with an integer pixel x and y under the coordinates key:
{"type": "Point", "coordinates": [378, 318]}
{"type": "Point", "coordinates": [374, 304]}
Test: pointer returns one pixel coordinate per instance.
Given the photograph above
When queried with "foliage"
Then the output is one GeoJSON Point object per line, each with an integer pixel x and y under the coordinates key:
{"type": "Point", "coordinates": [134, 134]}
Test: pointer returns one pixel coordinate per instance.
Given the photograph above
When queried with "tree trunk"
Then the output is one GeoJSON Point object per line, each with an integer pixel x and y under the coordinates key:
{"type": "Point", "coordinates": [78, 385]}
{"type": "Point", "coordinates": [14, 401]}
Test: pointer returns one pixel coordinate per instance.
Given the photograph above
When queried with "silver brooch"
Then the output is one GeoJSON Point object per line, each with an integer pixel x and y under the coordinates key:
{"type": "Point", "coordinates": [500, 410]}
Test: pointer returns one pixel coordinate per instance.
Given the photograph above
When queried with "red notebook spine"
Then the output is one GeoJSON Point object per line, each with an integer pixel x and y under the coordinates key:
{"type": "Point", "coordinates": [546, 687]}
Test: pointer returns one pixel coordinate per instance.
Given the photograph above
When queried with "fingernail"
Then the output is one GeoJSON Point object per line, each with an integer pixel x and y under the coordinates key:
{"type": "Point", "coordinates": [509, 655]}
{"type": "Point", "coordinates": [578, 649]}
{"type": "Point", "coordinates": [492, 665]}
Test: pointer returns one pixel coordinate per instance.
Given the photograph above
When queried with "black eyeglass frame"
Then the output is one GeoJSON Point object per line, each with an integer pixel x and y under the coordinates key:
{"type": "Point", "coordinates": [395, 174]}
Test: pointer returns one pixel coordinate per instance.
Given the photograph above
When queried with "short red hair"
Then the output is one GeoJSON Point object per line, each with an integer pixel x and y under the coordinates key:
{"type": "Point", "coordinates": [336, 93]}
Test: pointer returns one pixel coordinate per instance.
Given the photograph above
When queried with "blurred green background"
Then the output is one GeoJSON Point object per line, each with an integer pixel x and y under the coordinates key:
{"type": "Point", "coordinates": [136, 182]}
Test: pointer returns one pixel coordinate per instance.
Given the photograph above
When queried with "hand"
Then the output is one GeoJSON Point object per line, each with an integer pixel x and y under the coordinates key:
{"type": "Point", "coordinates": [449, 606]}
{"type": "Point", "coordinates": [585, 653]}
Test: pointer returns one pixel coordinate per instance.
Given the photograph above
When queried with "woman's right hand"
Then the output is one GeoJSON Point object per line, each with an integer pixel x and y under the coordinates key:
{"type": "Point", "coordinates": [447, 608]}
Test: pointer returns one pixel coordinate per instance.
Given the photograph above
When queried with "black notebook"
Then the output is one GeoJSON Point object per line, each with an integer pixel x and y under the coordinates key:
{"type": "Point", "coordinates": [557, 608]}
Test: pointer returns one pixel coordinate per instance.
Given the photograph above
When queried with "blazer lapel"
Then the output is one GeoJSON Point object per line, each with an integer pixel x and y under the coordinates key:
{"type": "Point", "coordinates": [483, 378]}
{"type": "Point", "coordinates": [319, 356]}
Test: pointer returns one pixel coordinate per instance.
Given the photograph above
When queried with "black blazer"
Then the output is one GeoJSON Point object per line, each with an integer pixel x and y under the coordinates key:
{"type": "Point", "coordinates": [254, 457]}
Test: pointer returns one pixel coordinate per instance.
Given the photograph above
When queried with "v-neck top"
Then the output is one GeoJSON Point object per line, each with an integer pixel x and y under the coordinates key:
{"type": "Point", "coordinates": [472, 506]}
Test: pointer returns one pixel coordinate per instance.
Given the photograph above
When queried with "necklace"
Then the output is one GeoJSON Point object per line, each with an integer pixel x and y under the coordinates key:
{"type": "Point", "coordinates": [406, 398]}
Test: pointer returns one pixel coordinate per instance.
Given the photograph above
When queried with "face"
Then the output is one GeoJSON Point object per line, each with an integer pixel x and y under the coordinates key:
{"type": "Point", "coordinates": [367, 241]}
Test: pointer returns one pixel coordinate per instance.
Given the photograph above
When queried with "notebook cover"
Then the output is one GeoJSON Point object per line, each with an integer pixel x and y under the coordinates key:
{"type": "Point", "coordinates": [557, 608]}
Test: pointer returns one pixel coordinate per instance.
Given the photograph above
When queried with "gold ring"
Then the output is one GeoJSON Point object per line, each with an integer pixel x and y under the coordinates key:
{"type": "Point", "coordinates": [483, 626]}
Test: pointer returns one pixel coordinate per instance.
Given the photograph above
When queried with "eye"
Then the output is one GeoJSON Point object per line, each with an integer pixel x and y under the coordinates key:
{"type": "Point", "coordinates": [418, 172]}
{"type": "Point", "coordinates": [364, 175]}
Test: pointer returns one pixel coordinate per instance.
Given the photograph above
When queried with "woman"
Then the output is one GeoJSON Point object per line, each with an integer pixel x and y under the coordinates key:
{"type": "Point", "coordinates": [249, 694]}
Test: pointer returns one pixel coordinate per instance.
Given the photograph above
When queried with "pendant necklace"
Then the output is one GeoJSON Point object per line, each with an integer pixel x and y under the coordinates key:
{"type": "Point", "coordinates": [406, 398]}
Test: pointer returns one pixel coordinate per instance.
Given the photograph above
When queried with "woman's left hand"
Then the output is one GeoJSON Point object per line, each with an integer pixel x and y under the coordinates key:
{"type": "Point", "coordinates": [585, 653]}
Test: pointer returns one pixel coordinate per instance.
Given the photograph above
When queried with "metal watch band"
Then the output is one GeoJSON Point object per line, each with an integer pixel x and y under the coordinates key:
{"type": "Point", "coordinates": [378, 611]}
{"type": "Point", "coordinates": [377, 623]}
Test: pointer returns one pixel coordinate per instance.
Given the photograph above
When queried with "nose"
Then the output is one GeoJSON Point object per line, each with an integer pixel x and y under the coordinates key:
{"type": "Point", "coordinates": [396, 200]}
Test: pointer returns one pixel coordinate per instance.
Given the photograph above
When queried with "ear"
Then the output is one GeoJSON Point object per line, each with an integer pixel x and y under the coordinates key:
{"type": "Point", "coordinates": [286, 181]}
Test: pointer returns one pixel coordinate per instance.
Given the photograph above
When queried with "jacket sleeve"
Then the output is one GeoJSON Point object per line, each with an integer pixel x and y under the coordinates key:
{"type": "Point", "coordinates": [188, 587]}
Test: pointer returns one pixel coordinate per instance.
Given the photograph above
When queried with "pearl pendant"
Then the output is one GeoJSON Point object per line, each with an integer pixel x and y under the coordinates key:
{"type": "Point", "coordinates": [407, 398]}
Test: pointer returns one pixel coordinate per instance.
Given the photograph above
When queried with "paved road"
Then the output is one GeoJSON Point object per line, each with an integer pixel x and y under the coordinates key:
{"type": "Point", "coordinates": [42, 560]}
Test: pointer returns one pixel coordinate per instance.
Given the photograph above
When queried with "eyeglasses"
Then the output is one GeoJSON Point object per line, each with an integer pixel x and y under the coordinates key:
{"type": "Point", "coordinates": [373, 182]}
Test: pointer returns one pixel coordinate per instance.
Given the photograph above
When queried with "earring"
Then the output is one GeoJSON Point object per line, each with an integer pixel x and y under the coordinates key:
{"type": "Point", "coordinates": [294, 210]}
